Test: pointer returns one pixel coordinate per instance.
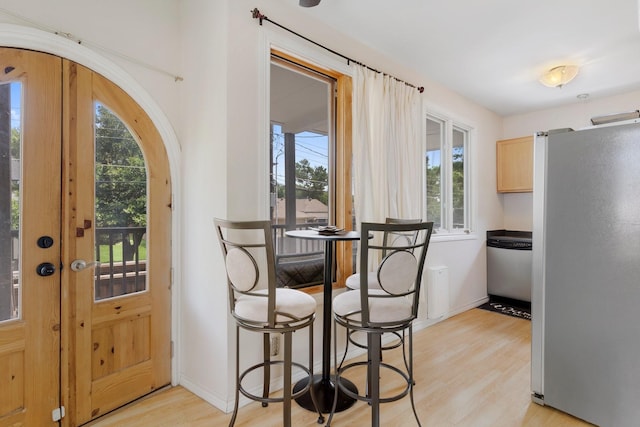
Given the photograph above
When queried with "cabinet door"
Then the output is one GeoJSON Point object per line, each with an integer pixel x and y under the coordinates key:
{"type": "Point", "coordinates": [514, 161]}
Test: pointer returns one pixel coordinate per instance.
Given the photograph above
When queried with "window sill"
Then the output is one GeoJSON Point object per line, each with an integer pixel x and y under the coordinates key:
{"type": "Point", "coordinates": [435, 238]}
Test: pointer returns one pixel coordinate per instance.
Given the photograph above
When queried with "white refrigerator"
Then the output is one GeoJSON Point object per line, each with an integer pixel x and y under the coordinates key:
{"type": "Point", "coordinates": [586, 273]}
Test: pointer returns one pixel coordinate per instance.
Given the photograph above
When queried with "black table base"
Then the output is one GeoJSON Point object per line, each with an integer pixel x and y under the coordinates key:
{"type": "Point", "coordinates": [324, 388]}
{"type": "Point", "coordinates": [324, 391]}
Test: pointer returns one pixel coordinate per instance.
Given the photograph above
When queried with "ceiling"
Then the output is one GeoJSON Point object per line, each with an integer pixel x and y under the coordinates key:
{"type": "Point", "coordinates": [494, 51]}
{"type": "Point", "coordinates": [298, 101]}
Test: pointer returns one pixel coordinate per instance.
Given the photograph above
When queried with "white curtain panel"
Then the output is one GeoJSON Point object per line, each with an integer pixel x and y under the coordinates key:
{"type": "Point", "coordinates": [387, 147]}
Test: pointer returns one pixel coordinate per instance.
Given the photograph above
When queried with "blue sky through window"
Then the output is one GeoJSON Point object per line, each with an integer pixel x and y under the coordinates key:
{"type": "Point", "coordinates": [309, 145]}
{"type": "Point", "coordinates": [16, 98]}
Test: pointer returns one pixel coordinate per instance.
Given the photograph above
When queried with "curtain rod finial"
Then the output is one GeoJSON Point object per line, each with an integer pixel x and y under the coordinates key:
{"type": "Point", "coordinates": [255, 13]}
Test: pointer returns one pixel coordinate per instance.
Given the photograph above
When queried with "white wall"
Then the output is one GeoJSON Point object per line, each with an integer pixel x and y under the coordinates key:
{"type": "Point", "coordinates": [235, 185]}
{"type": "Point", "coordinates": [247, 149]}
{"type": "Point", "coordinates": [576, 116]}
{"type": "Point", "coordinates": [145, 31]}
{"type": "Point", "coordinates": [518, 207]}
{"type": "Point", "coordinates": [205, 342]}
{"type": "Point", "coordinates": [219, 114]}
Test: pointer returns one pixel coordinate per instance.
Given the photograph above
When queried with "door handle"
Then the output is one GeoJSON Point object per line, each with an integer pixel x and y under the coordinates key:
{"type": "Point", "coordinates": [80, 264]}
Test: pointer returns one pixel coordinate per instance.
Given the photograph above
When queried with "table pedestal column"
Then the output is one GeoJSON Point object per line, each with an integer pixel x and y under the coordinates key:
{"type": "Point", "coordinates": [323, 385]}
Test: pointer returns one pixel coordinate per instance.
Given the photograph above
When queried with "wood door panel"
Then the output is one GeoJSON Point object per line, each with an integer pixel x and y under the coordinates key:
{"type": "Point", "coordinates": [12, 375]}
{"type": "Point", "coordinates": [120, 308]}
{"type": "Point", "coordinates": [30, 343]}
{"type": "Point", "coordinates": [12, 338]}
{"type": "Point", "coordinates": [121, 345]}
{"type": "Point", "coordinates": [122, 387]}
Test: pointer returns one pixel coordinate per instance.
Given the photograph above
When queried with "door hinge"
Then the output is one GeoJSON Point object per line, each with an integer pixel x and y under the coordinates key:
{"type": "Point", "coordinates": [58, 414]}
{"type": "Point", "coordinates": [171, 349]}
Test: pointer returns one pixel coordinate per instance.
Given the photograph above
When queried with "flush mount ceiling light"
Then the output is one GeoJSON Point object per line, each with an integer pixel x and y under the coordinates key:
{"type": "Point", "coordinates": [309, 3]}
{"type": "Point", "coordinates": [559, 76]}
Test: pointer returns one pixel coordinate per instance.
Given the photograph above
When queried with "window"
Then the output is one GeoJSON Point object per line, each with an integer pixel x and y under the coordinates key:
{"type": "Point", "coordinates": [447, 175]}
{"type": "Point", "coordinates": [10, 198]}
{"type": "Point", "coordinates": [121, 208]}
{"type": "Point", "coordinates": [309, 147]}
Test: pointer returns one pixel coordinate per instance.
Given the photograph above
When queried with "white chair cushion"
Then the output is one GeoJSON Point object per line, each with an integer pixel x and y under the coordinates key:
{"type": "Point", "coordinates": [380, 309]}
{"type": "Point", "coordinates": [353, 281]}
{"type": "Point", "coordinates": [290, 301]}
{"type": "Point", "coordinates": [397, 273]}
{"type": "Point", "coordinates": [242, 269]}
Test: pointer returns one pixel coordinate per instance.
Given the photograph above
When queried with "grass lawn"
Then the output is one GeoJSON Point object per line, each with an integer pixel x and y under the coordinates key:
{"type": "Point", "coordinates": [117, 252]}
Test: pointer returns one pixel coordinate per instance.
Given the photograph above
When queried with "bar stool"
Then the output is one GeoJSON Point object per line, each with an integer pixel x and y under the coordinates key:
{"type": "Point", "coordinates": [257, 305]}
{"type": "Point", "coordinates": [353, 281]}
{"type": "Point", "coordinates": [391, 308]}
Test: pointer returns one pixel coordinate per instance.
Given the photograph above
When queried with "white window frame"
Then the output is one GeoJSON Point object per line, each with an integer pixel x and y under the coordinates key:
{"type": "Point", "coordinates": [446, 174]}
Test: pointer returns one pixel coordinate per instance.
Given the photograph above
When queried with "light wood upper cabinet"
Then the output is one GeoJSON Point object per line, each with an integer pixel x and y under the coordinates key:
{"type": "Point", "coordinates": [514, 163]}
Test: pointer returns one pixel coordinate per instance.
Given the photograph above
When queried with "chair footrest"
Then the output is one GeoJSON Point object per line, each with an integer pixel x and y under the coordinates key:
{"type": "Point", "coordinates": [383, 399]}
{"type": "Point", "coordinates": [268, 399]}
{"type": "Point", "coordinates": [397, 342]}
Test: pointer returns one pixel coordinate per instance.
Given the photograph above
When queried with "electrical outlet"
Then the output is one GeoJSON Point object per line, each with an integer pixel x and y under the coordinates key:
{"type": "Point", "coordinates": [275, 345]}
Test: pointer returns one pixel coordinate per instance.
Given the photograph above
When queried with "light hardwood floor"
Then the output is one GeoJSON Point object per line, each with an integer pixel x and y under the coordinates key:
{"type": "Point", "coordinates": [471, 370]}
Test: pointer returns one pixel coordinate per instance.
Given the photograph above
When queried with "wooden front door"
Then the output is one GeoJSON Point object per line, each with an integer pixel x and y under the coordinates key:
{"type": "Point", "coordinates": [30, 237]}
{"type": "Point", "coordinates": [95, 333]}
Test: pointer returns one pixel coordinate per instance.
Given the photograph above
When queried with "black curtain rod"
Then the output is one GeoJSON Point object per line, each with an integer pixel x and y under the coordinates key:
{"type": "Point", "coordinates": [255, 13]}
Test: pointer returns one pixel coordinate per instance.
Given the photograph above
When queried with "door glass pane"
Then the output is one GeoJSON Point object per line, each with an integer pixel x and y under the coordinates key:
{"type": "Point", "coordinates": [302, 134]}
{"type": "Point", "coordinates": [121, 208]}
{"type": "Point", "coordinates": [10, 174]}
{"type": "Point", "coordinates": [435, 137]}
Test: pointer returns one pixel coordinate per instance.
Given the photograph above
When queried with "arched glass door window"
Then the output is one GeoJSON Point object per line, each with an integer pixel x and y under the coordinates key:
{"type": "Point", "coordinates": [121, 208]}
{"type": "Point", "coordinates": [10, 183]}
